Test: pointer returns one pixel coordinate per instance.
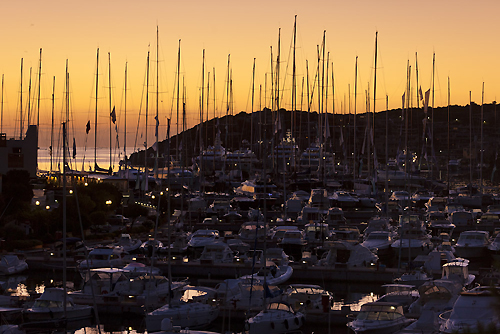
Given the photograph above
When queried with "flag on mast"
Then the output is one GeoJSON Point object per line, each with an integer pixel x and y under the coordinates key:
{"type": "Point", "coordinates": [113, 115]}
{"type": "Point", "coordinates": [87, 129]}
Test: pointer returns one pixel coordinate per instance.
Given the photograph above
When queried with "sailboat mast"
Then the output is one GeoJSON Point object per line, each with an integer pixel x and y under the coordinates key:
{"type": "Point", "coordinates": [146, 140]}
{"type": "Point", "coordinates": [372, 131]}
{"type": "Point", "coordinates": [52, 124]}
{"type": "Point", "coordinates": [448, 142]}
{"type": "Point", "coordinates": [202, 100]}
{"type": "Point", "coordinates": [157, 112]}
{"type": "Point", "coordinates": [386, 191]}
{"type": "Point", "coordinates": [125, 119]}
{"type": "Point", "coordinates": [278, 73]}
{"type": "Point", "coordinates": [64, 217]}
{"type": "Point", "coordinates": [21, 105]}
{"type": "Point", "coordinates": [96, 97]}
{"type": "Point", "coordinates": [178, 97]}
{"type": "Point", "coordinates": [39, 84]}
{"type": "Point", "coordinates": [29, 99]}
{"type": "Point", "coordinates": [253, 94]}
{"type": "Point", "coordinates": [294, 89]}
{"type": "Point", "coordinates": [482, 122]}
{"type": "Point", "coordinates": [110, 113]}
{"type": "Point", "coordinates": [1, 123]}
{"type": "Point", "coordinates": [470, 141]}
{"type": "Point", "coordinates": [355, 110]}
{"type": "Point", "coordinates": [432, 114]}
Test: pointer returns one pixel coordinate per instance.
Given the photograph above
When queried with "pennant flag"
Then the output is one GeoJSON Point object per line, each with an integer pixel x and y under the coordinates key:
{"type": "Point", "coordinates": [420, 93]}
{"type": "Point", "coordinates": [74, 148]}
{"type": "Point", "coordinates": [426, 100]}
{"type": "Point", "coordinates": [87, 129]}
{"type": "Point", "coordinates": [113, 116]}
{"type": "Point", "coordinates": [156, 128]}
{"type": "Point", "coordinates": [168, 128]}
{"type": "Point", "coordinates": [404, 99]}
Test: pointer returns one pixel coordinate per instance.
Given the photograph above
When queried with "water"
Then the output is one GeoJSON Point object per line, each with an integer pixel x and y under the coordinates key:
{"type": "Point", "coordinates": [344, 293]}
{"type": "Point", "coordinates": [84, 159]}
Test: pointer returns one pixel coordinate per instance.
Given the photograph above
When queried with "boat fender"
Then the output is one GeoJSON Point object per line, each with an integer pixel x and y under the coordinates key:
{"type": "Point", "coordinates": [272, 325]}
{"type": "Point", "coordinates": [297, 321]}
{"type": "Point", "coordinates": [104, 292]}
{"type": "Point", "coordinates": [286, 323]}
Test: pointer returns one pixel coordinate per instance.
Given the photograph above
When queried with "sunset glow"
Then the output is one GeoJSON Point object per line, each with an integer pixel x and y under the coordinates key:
{"type": "Point", "coordinates": [462, 34]}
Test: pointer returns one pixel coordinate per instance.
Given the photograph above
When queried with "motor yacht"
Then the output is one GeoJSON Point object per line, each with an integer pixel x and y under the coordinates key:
{"type": "Point", "coordinates": [413, 238]}
{"type": "Point", "coordinates": [473, 308]}
{"type": "Point", "coordinates": [104, 257]}
{"type": "Point", "coordinates": [278, 317]}
{"type": "Point", "coordinates": [50, 306]}
{"type": "Point", "coordinates": [379, 317]}
{"type": "Point", "coordinates": [472, 244]}
{"type": "Point", "coordinates": [197, 308]}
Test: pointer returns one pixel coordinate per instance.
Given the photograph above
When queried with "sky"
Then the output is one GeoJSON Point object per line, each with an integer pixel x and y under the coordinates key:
{"type": "Point", "coordinates": [461, 34]}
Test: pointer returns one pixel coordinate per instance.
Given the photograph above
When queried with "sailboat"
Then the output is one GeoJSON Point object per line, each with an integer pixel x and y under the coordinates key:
{"type": "Point", "coordinates": [54, 308]}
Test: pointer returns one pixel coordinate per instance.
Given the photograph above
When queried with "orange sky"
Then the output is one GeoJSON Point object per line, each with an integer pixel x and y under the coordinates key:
{"type": "Point", "coordinates": [462, 34]}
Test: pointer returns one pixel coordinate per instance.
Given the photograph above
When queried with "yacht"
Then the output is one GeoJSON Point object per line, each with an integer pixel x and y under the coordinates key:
{"type": "Point", "coordinates": [472, 244]}
{"type": "Point", "coordinates": [473, 308]}
{"type": "Point", "coordinates": [278, 317]}
{"type": "Point", "coordinates": [310, 299]}
{"type": "Point", "coordinates": [50, 307]}
{"type": "Point", "coordinates": [104, 257]}
{"type": "Point", "coordinates": [11, 264]}
{"type": "Point", "coordinates": [344, 254]}
{"type": "Point", "coordinates": [195, 309]}
{"type": "Point", "coordinates": [379, 317]}
{"type": "Point", "coordinates": [218, 252]}
{"type": "Point", "coordinates": [413, 238]}
{"type": "Point", "coordinates": [202, 237]}
{"type": "Point", "coordinates": [114, 292]}
{"type": "Point", "coordinates": [379, 242]}
{"type": "Point", "coordinates": [129, 245]}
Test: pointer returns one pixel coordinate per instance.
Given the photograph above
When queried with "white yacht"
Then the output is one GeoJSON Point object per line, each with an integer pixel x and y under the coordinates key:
{"type": "Point", "coordinates": [413, 238]}
{"type": "Point", "coordinates": [472, 244]}
{"type": "Point", "coordinates": [379, 242]}
{"type": "Point", "coordinates": [218, 252]}
{"type": "Point", "coordinates": [312, 300]}
{"type": "Point", "coordinates": [104, 257]}
{"type": "Point", "coordinates": [379, 317]}
{"type": "Point", "coordinates": [278, 317]}
{"type": "Point", "coordinates": [473, 308]}
{"type": "Point", "coordinates": [50, 306]}
{"type": "Point", "coordinates": [11, 264]}
{"type": "Point", "coordinates": [347, 255]}
{"type": "Point", "coordinates": [195, 309]}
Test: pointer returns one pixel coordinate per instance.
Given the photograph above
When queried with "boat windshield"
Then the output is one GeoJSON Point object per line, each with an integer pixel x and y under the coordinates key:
{"type": "Point", "coordinates": [379, 312]}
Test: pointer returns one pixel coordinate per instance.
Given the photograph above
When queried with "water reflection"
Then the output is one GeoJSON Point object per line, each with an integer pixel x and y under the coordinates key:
{"type": "Point", "coordinates": [352, 295]}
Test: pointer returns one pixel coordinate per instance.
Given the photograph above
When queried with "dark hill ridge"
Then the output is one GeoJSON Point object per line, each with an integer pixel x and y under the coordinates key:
{"type": "Point", "coordinates": [235, 133]}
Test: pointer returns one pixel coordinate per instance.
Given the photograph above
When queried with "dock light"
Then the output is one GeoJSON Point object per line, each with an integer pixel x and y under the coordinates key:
{"type": "Point", "coordinates": [108, 202]}
{"type": "Point", "coordinates": [71, 191]}
{"type": "Point", "coordinates": [166, 189]}
{"type": "Point", "coordinates": [51, 281]}
{"type": "Point", "coordinates": [185, 260]}
{"type": "Point", "coordinates": [86, 184]}
{"type": "Point", "coordinates": [153, 197]}
{"type": "Point", "coordinates": [51, 254]}
{"type": "Point", "coordinates": [98, 179]}
{"type": "Point", "coordinates": [47, 207]}
{"type": "Point", "coordinates": [161, 193]}
{"type": "Point", "coordinates": [37, 203]}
